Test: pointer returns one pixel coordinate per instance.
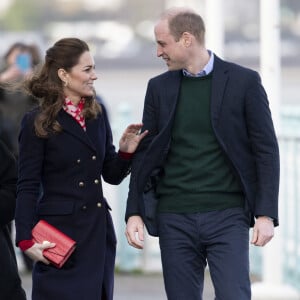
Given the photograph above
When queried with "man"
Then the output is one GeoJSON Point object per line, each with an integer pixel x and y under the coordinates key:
{"type": "Point", "coordinates": [10, 282]}
{"type": "Point", "coordinates": [208, 168]}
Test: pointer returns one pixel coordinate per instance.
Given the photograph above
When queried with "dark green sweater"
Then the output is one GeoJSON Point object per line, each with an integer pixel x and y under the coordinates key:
{"type": "Point", "coordinates": [197, 177]}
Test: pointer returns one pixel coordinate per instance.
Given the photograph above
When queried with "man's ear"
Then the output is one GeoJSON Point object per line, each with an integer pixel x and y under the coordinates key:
{"type": "Point", "coordinates": [186, 39]}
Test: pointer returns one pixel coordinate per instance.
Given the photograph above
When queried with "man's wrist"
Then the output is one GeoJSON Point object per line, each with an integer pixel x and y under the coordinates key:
{"type": "Point", "coordinates": [269, 218]}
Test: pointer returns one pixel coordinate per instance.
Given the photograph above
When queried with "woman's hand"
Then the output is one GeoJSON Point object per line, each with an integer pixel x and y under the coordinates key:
{"type": "Point", "coordinates": [131, 138]}
{"type": "Point", "coordinates": [36, 251]}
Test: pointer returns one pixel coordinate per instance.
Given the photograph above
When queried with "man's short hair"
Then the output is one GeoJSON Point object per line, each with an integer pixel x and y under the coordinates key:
{"type": "Point", "coordinates": [181, 21]}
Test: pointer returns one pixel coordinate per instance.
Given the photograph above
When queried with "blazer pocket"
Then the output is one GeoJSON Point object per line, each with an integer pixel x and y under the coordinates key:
{"type": "Point", "coordinates": [150, 204]}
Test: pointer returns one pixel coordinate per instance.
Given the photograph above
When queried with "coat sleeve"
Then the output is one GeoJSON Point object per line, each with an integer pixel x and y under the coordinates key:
{"type": "Point", "coordinates": [30, 164]}
{"type": "Point", "coordinates": [115, 168]}
{"type": "Point", "coordinates": [8, 178]}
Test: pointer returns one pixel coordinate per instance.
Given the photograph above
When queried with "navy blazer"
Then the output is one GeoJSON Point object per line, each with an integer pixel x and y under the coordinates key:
{"type": "Point", "coordinates": [242, 123]}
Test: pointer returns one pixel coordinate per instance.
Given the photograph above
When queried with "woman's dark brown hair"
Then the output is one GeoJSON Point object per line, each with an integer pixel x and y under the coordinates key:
{"type": "Point", "coordinates": [46, 86]}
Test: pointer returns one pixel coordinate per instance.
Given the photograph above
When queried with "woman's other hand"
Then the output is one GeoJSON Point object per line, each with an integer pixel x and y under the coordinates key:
{"type": "Point", "coordinates": [131, 138]}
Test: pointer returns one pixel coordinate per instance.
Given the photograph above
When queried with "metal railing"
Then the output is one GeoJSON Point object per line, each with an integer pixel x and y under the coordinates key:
{"type": "Point", "coordinates": [289, 197]}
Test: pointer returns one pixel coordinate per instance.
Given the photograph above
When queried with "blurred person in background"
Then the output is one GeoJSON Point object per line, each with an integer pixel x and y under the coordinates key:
{"type": "Point", "coordinates": [19, 62]}
{"type": "Point", "coordinates": [209, 168]}
{"type": "Point", "coordinates": [65, 146]}
{"type": "Point", "coordinates": [10, 282]}
{"type": "Point", "coordinates": [9, 72]}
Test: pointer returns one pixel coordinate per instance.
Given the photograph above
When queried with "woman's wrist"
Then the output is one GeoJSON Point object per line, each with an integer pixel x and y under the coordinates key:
{"type": "Point", "coordinates": [25, 244]}
{"type": "Point", "coordinates": [125, 155]}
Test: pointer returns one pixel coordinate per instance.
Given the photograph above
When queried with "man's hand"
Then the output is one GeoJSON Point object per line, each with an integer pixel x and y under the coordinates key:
{"type": "Point", "coordinates": [263, 231]}
{"type": "Point", "coordinates": [135, 232]}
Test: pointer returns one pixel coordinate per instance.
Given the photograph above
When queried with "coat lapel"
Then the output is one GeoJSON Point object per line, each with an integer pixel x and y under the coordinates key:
{"type": "Point", "coordinates": [70, 126]}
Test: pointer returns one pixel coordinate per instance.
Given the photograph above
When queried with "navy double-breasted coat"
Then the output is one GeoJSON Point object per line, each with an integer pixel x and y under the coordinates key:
{"type": "Point", "coordinates": [60, 182]}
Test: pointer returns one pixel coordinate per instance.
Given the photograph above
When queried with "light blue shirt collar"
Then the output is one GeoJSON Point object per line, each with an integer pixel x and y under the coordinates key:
{"type": "Point", "coordinates": [206, 70]}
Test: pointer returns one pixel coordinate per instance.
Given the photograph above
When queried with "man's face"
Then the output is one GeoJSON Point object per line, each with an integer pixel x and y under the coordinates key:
{"type": "Point", "coordinates": [173, 52]}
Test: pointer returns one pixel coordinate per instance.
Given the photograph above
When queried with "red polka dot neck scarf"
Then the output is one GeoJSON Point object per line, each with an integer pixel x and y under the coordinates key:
{"type": "Point", "coordinates": [75, 111]}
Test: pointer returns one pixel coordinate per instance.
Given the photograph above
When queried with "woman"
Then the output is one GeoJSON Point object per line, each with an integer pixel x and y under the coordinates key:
{"type": "Point", "coordinates": [10, 283]}
{"type": "Point", "coordinates": [65, 147]}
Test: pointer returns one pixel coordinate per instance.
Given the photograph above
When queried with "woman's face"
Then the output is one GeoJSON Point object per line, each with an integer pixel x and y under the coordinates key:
{"type": "Point", "coordinates": [80, 79]}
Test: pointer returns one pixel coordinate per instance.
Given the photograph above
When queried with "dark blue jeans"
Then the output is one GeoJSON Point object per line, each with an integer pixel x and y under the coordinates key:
{"type": "Point", "coordinates": [189, 241]}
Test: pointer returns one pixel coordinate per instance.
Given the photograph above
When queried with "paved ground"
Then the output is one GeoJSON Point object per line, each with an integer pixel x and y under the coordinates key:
{"type": "Point", "coordinates": [135, 287]}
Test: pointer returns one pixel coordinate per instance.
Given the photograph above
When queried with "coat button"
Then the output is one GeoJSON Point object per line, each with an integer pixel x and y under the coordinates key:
{"type": "Point", "coordinates": [99, 204]}
{"type": "Point", "coordinates": [81, 184]}
{"type": "Point", "coordinates": [78, 161]}
{"type": "Point", "coordinates": [96, 181]}
{"type": "Point", "coordinates": [94, 157]}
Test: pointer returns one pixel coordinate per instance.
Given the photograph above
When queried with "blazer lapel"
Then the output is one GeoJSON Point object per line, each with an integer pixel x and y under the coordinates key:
{"type": "Point", "coordinates": [159, 146]}
{"type": "Point", "coordinates": [171, 90]}
{"type": "Point", "coordinates": [72, 127]}
{"type": "Point", "coordinates": [219, 80]}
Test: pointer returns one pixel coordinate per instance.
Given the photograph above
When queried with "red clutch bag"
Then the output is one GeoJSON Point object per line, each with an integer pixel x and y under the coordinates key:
{"type": "Point", "coordinates": [65, 246]}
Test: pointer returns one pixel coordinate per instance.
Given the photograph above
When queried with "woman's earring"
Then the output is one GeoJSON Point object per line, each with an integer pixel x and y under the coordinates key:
{"type": "Point", "coordinates": [65, 83]}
